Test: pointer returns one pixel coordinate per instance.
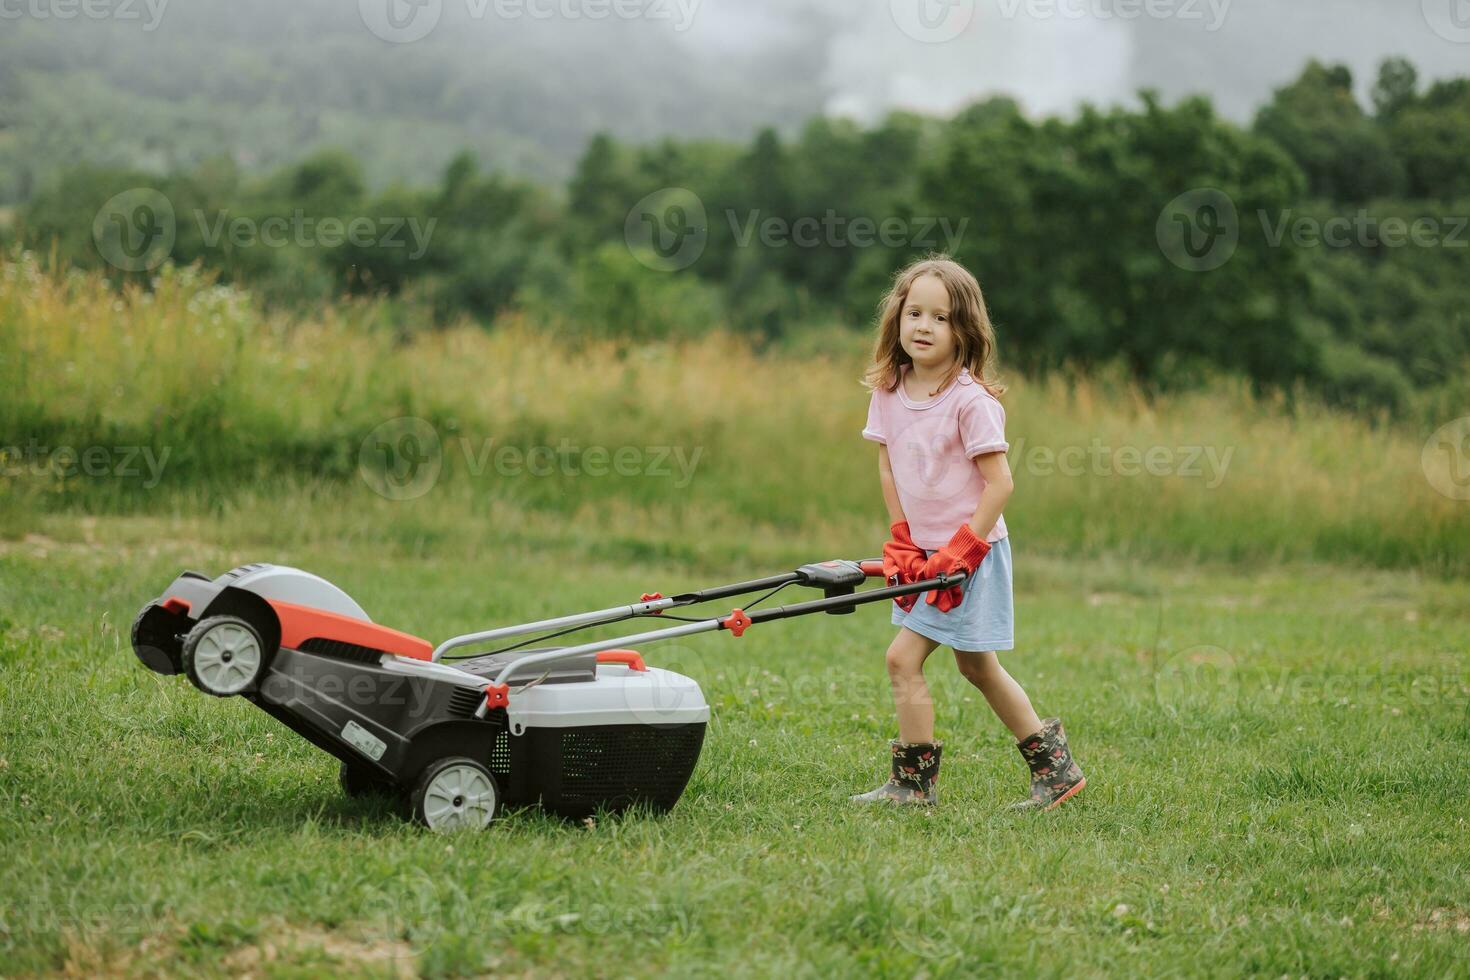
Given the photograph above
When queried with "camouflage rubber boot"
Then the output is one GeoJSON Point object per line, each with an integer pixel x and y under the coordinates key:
{"type": "Point", "coordinates": [1055, 776]}
{"type": "Point", "coordinates": [915, 773]}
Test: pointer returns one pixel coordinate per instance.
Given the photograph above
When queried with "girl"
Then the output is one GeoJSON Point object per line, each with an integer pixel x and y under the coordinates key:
{"type": "Point", "coordinates": [942, 464]}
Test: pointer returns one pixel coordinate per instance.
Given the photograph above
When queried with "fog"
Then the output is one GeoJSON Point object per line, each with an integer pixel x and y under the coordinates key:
{"type": "Point", "coordinates": [404, 84]}
{"type": "Point", "coordinates": [1056, 54]}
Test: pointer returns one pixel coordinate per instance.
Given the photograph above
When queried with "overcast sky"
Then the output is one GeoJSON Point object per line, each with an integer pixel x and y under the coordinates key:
{"type": "Point", "coordinates": [525, 83]}
{"type": "Point", "coordinates": [875, 54]}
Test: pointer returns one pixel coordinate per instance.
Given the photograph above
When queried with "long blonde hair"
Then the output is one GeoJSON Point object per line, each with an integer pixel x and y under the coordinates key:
{"type": "Point", "coordinates": [970, 321]}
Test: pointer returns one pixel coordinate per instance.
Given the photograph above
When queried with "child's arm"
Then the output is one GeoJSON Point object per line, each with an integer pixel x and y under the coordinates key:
{"type": "Point", "coordinates": [890, 489]}
{"type": "Point", "coordinates": [998, 487]}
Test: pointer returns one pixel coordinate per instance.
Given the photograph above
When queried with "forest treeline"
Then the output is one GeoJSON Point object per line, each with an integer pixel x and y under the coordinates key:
{"type": "Point", "coordinates": [1325, 246]}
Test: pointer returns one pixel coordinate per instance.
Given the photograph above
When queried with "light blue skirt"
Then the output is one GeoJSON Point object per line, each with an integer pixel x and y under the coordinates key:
{"type": "Point", "coordinates": [984, 622]}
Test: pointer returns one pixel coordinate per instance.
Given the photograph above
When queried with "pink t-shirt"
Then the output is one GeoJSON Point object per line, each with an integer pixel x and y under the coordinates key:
{"type": "Point", "coordinates": [931, 446]}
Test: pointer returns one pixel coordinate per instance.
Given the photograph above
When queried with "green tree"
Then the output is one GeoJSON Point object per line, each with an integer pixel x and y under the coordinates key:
{"type": "Point", "coordinates": [1396, 89]}
{"type": "Point", "coordinates": [600, 193]}
{"type": "Point", "coordinates": [1344, 154]}
{"type": "Point", "coordinates": [1433, 137]}
{"type": "Point", "coordinates": [1064, 236]}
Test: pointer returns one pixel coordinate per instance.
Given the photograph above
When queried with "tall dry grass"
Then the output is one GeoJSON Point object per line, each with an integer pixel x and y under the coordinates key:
{"type": "Point", "coordinates": [265, 415]}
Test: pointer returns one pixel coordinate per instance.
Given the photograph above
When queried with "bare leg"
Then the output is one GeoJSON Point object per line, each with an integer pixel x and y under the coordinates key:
{"type": "Point", "coordinates": [905, 659]}
{"type": "Point", "coordinates": [1007, 699]}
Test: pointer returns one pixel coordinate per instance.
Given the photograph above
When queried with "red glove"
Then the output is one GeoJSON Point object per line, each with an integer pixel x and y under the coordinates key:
{"type": "Point", "coordinates": [965, 551]}
{"type": "Point", "coordinates": [902, 562]}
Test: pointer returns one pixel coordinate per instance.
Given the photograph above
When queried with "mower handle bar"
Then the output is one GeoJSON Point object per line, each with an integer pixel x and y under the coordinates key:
{"type": "Point", "coordinates": [737, 622]}
{"type": "Point", "coordinates": [649, 605]}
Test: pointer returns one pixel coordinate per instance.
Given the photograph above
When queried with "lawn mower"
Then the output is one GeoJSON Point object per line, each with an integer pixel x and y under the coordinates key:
{"type": "Point", "coordinates": [454, 732]}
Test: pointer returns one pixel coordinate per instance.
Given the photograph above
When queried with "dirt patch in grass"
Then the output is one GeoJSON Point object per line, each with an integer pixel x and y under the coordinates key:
{"type": "Point", "coordinates": [292, 944]}
{"type": "Point", "coordinates": [257, 951]}
{"type": "Point", "coordinates": [1445, 920]}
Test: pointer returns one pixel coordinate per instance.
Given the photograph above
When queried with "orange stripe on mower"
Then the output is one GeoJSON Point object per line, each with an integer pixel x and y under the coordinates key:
{"type": "Point", "coordinates": [302, 623]}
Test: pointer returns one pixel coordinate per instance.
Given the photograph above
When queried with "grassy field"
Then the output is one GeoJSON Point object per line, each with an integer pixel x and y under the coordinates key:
{"type": "Point", "coordinates": [232, 402]}
{"type": "Point", "coordinates": [1262, 664]}
{"type": "Point", "coordinates": [1275, 758]}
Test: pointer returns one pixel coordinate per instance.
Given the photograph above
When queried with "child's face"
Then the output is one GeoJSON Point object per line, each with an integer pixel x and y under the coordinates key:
{"type": "Point", "coordinates": [924, 324]}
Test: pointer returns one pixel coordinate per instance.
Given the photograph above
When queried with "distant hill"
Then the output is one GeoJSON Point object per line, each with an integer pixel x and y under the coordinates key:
{"type": "Point", "coordinates": [271, 81]}
{"type": "Point", "coordinates": [525, 85]}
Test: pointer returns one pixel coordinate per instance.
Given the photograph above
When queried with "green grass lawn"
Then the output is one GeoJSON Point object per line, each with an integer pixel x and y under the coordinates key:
{"type": "Point", "coordinates": [1276, 763]}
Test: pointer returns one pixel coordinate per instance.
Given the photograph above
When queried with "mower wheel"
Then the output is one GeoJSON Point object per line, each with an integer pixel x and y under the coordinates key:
{"type": "Point", "coordinates": [454, 793]}
{"type": "Point", "coordinates": [155, 639]}
{"type": "Point", "coordinates": [358, 782]}
{"type": "Point", "coordinates": [224, 655]}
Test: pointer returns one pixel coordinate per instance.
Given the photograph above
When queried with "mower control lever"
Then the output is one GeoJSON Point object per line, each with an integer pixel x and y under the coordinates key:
{"type": "Point", "coordinates": [832, 574]}
{"type": "Point", "coordinates": [834, 578]}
